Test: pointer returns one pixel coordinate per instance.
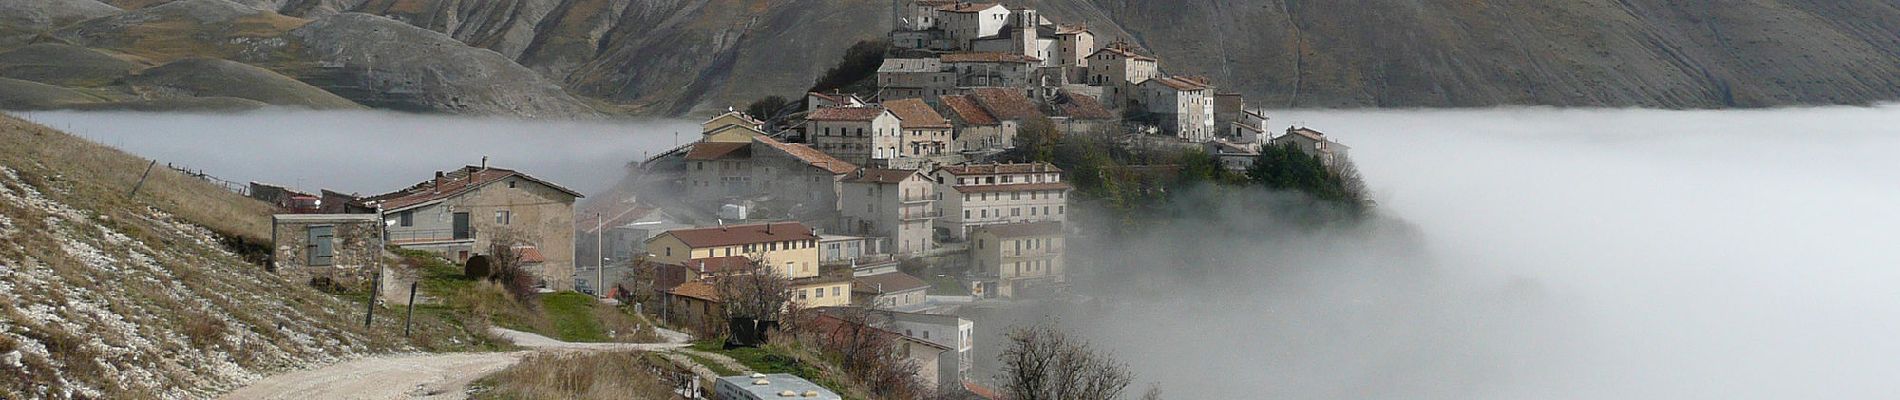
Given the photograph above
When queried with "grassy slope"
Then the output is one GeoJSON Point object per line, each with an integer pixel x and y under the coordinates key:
{"type": "Point", "coordinates": [577, 376]}
{"type": "Point", "coordinates": [106, 296]}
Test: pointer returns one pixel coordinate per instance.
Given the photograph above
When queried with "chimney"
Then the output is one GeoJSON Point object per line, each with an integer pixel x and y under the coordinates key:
{"type": "Point", "coordinates": [484, 162]}
{"type": "Point", "coordinates": [768, 228]}
{"type": "Point", "coordinates": [438, 180]}
{"type": "Point", "coordinates": [702, 266]}
{"type": "Point", "coordinates": [722, 223]}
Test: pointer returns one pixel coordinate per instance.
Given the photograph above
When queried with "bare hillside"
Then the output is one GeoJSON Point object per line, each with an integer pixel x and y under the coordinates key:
{"type": "Point", "coordinates": [105, 296]}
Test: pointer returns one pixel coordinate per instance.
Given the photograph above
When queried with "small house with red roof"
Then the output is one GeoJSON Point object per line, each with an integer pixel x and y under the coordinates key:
{"type": "Point", "coordinates": [868, 135]}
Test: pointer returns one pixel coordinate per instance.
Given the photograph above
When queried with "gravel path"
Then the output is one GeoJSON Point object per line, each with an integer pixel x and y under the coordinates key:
{"type": "Point", "coordinates": [423, 376]}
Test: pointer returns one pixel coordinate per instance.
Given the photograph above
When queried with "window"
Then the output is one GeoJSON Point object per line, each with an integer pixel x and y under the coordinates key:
{"type": "Point", "coordinates": [511, 184]}
{"type": "Point", "coordinates": [669, 252]}
{"type": "Point", "coordinates": [408, 218]}
{"type": "Point", "coordinates": [926, 334]}
{"type": "Point", "coordinates": [502, 217]}
{"type": "Point", "coordinates": [821, 292]}
{"type": "Point", "coordinates": [322, 246]}
{"type": "Point", "coordinates": [834, 293]}
{"type": "Point", "coordinates": [1015, 212]}
{"type": "Point", "coordinates": [966, 214]}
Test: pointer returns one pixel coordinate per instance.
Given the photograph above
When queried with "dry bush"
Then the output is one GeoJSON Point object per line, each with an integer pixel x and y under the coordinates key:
{"type": "Point", "coordinates": [624, 326]}
{"type": "Point", "coordinates": [604, 376]}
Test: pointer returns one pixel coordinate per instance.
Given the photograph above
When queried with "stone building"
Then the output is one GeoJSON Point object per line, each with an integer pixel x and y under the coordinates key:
{"type": "Point", "coordinates": [972, 196]}
{"type": "Point", "coordinates": [914, 78]}
{"type": "Point", "coordinates": [462, 214]}
{"type": "Point", "coordinates": [976, 129]}
{"type": "Point", "coordinates": [963, 22]}
{"type": "Point", "coordinates": [1117, 69]}
{"type": "Point", "coordinates": [926, 133]}
{"type": "Point", "coordinates": [898, 205]}
{"type": "Point", "coordinates": [865, 136]}
{"type": "Point", "coordinates": [1184, 106]}
{"type": "Point", "coordinates": [340, 247]}
{"type": "Point", "coordinates": [1315, 144]}
{"type": "Point", "coordinates": [1022, 259]}
{"type": "Point", "coordinates": [992, 69]}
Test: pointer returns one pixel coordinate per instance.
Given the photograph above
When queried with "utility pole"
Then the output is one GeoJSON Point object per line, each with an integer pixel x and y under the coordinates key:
{"type": "Point", "coordinates": [600, 257]}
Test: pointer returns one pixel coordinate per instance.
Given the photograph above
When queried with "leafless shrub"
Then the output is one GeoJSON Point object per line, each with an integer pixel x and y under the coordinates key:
{"type": "Point", "coordinates": [1042, 363]}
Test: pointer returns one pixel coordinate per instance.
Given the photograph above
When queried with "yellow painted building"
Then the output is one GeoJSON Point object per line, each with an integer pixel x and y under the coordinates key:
{"type": "Point", "coordinates": [785, 248]}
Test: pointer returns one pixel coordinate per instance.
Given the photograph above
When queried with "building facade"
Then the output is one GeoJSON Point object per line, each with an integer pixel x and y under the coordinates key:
{"type": "Point", "coordinates": [1117, 69]}
{"type": "Point", "coordinates": [463, 214]}
{"type": "Point", "coordinates": [992, 69]}
{"type": "Point", "coordinates": [339, 247]}
{"type": "Point", "coordinates": [898, 205]}
{"type": "Point", "coordinates": [1024, 258]}
{"type": "Point", "coordinates": [972, 196]}
{"type": "Point", "coordinates": [1185, 106]}
{"type": "Point", "coordinates": [914, 78]}
{"type": "Point", "coordinates": [866, 136]}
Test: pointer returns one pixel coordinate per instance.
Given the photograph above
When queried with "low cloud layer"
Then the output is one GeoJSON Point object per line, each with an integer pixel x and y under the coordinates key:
{"type": "Point", "coordinates": [1537, 253]}
{"type": "Point", "coordinates": [1521, 253]}
{"type": "Point", "coordinates": [374, 151]}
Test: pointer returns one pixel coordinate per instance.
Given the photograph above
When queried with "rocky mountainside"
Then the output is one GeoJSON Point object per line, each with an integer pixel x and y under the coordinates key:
{"type": "Point", "coordinates": [571, 57]}
{"type": "Point", "coordinates": [108, 297]}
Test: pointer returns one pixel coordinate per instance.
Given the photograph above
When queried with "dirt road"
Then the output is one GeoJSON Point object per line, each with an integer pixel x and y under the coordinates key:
{"type": "Point", "coordinates": [426, 376]}
{"type": "Point", "coordinates": [421, 376]}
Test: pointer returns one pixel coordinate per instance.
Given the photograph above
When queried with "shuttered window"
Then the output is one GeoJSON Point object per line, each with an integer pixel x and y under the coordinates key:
{"type": "Point", "coordinates": [322, 247]}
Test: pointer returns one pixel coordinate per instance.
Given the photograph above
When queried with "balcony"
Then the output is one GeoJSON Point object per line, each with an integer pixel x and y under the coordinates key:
{"type": "Point", "coordinates": [922, 215]}
{"type": "Point", "coordinates": [424, 236]}
{"type": "Point", "coordinates": [922, 198]}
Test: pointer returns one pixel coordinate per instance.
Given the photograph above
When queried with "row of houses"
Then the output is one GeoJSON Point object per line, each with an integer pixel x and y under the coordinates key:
{"type": "Point", "coordinates": [950, 47]}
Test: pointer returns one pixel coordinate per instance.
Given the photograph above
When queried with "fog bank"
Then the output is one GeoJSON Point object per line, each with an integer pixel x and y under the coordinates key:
{"type": "Point", "coordinates": [372, 152]}
{"type": "Point", "coordinates": [1541, 253]}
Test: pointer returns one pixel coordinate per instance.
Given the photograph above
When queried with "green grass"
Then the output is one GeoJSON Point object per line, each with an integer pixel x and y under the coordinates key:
{"type": "Point", "coordinates": [573, 317]}
{"type": "Point", "coordinates": [944, 286]}
{"type": "Point", "coordinates": [717, 369]}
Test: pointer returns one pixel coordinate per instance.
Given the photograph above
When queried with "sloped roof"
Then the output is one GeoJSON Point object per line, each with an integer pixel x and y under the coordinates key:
{"type": "Point", "coordinates": [1084, 107]}
{"type": "Point", "coordinates": [961, 7]}
{"type": "Point", "coordinates": [965, 108]}
{"type": "Point", "coordinates": [910, 65]}
{"type": "Point", "coordinates": [719, 150]}
{"type": "Point", "coordinates": [1308, 133]}
{"type": "Point", "coordinates": [1006, 103]}
{"type": "Point", "coordinates": [810, 156]}
{"type": "Point", "coordinates": [454, 183]}
{"type": "Point", "coordinates": [890, 282]}
{"type": "Point", "coordinates": [845, 114]}
{"type": "Point", "coordinates": [698, 290]}
{"type": "Point", "coordinates": [1179, 83]}
{"type": "Point", "coordinates": [880, 175]}
{"type": "Point", "coordinates": [985, 169]}
{"type": "Point", "coordinates": [1023, 229]}
{"type": "Point", "coordinates": [989, 57]}
{"type": "Point", "coordinates": [1125, 53]}
{"type": "Point", "coordinates": [1013, 187]}
{"type": "Point", "coordinates": [530, 254]}
{"type": "Point", "coordinates": [742, 234]}
{"type": "Point", "coordinates": [916, 114]}
{"type": "Point", "coordinates": [834, 328]}
{"type": "Point", "coordinates": [720, 265]}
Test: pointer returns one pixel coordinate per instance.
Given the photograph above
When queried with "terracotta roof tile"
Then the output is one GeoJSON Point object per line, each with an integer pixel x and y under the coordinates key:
{"type": "Point", "coordinates": [1006, 103]}
{"type": "Point", "coordinates": [916, 114]}
{"type": "Point", "coordinates": [1083, 107]}
{"type": "Point", "coordinates": [880, 175]}
{"type": "Point", "coordinates": [742, 234]}
{"type": "Point", "coordinates": [810, 156]}
{"type": "Point", "coordinates": [1014, 187]}
{"type": "Point", "coordinates": [845, 114]}
{"type": "Point", "coordinates": [720, 265]}
{"type": "Point", "coordinates": [1124, 53]}
{"type": "Point", "coordinates": [698, 290]}
{"type": "Point", "coordinates": [530, 254]}
{"type": "Point", "coordinates": [1023, 229]}
{"type": "Point", "coordinates": [1179, 83]}
{"type": "Point", "coordinates": [965, 108]}
{"type": "Point", "coordinates": [719, 150]}
{"type": "Point", "coordinates": [1308, 133]}
{"type": "Point", "coordinates": [989, 57]}
{"type": "Point", "coordinates": [986, 169]}
{"type": "Point", "coordinates": [962, 7]}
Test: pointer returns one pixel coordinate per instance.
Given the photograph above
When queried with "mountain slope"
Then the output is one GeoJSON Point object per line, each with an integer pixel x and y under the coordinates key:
{"type": "Point", "coordinates": [679, 56]}
{"type": "Point", "coordinates": [105, 296]}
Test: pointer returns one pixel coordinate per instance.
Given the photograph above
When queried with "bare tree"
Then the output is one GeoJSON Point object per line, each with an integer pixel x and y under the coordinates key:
{"type": "Point", "coordinates": [754, 292]}
{"type": "Point", "coordinates": [1042, 363]}
{"type": "Point", "coordinates": [875, 356]}
{"type": "Point", "coordinates": [505, 265]}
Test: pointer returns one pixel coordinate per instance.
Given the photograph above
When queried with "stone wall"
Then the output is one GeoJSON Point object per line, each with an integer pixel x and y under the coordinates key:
{"type": "Point", "coordinates": [354, 245]}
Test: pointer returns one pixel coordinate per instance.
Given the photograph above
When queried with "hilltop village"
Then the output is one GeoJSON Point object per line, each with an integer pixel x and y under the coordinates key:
{"type": "Point", "coordinates": [909, 198]}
